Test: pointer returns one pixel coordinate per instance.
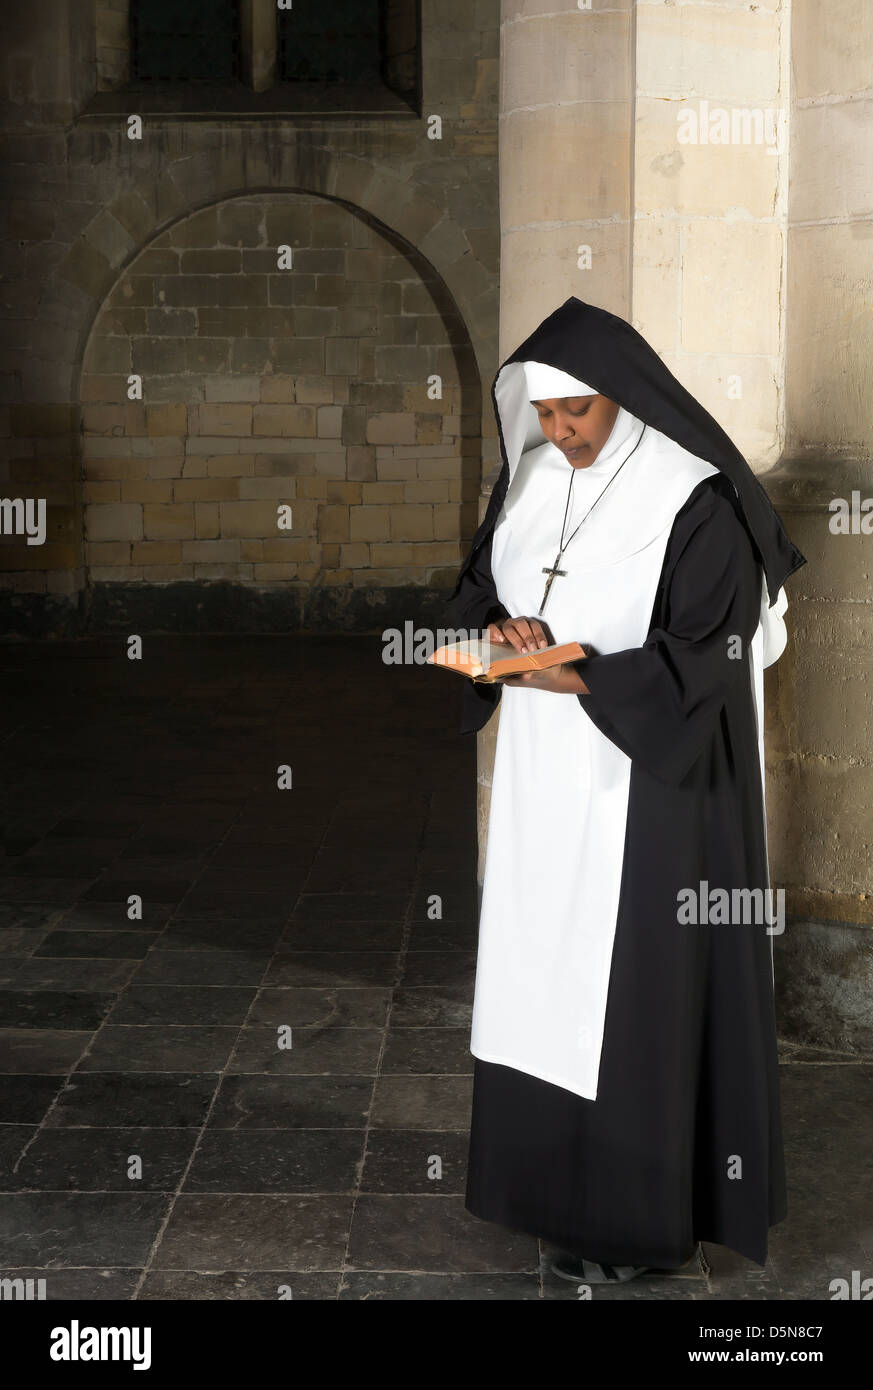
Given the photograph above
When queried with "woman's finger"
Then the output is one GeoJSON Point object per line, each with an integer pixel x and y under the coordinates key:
{"type": "Point", "coordinates": [511, 633]}
{"type": "Point", "coordinates": [524, 631]}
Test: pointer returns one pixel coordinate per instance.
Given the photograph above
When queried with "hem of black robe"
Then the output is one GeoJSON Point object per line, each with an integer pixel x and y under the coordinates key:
{"type": "Point", "coordinates": [498, 1191]}
{"type": "Point", "coordinates": [515, 1065]}
{"type": "Point", "coordinates": [637, 1256]}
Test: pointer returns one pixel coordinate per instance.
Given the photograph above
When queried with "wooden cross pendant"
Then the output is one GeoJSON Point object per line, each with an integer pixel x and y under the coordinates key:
{"type": "Point", "coordinates": [552, 573]}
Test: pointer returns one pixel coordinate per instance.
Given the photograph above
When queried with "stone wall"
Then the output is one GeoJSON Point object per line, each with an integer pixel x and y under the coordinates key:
{"type": "Point", "coordinates": [156, 256]}
{"type": "Point", "coordinates": [304, 387]}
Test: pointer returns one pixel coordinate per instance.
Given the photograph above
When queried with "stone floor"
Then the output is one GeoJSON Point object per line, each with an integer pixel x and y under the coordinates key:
{"type": "Point", "coordinates": [153, 1044]}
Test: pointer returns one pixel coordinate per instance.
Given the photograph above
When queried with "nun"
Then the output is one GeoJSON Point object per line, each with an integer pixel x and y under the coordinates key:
{"type": "Point", "coordinates": [626, 1095]}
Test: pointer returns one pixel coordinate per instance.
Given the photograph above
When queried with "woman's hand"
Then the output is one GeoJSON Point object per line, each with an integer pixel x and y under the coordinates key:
{"type": "Point", "coordinates": [561, 680]}
{"type": "Point", "coordinates": [524, 634]}
{"type": "Point", "coordinates": [530, 635]}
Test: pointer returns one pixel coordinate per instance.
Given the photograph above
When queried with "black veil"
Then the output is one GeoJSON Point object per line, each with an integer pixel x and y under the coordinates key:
{"type": "Point", "coordinates": [609, 355]}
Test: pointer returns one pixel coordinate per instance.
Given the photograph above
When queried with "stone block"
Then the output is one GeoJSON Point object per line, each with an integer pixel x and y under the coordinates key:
{"type": "Point", "coordinates": [102, 388]}
{"type": "Point", "coordinates": [148, 356]}
{"type": "Point", "coordinates": [447, 524]}
{"type": "Point", "coordinates": [168, 574]}
{"type": "Point", "coordinates": [700, 178]}
{"type": "Point", "coordinates": [411, 523]}
{"type": "Point", "coordinates": [361, 462]}
{"type": "Point", "coordinates": [384, 493]}
{"type": "Point", "coordinates": [426, 492]}
{"type": "Point", "coordinates": [281, 550]}
{"type": "Point", "coordinates": [438, 553]}
{"type": "Point", "coordinates": [282, 489]}
{"type": "Point", "coordinates": [314, 321]}
{"type": "Point", "coordinates": [313, 390]}
{"type": "Point", "coordinates": [114, 521]}
{"type": "Point", "coordinates": [355, 555]}
{"type": "Point", "coordinates": [206, 489]}
{"type": "Point", "coordinates": [214, 444]}
{"type": "Point", "coordinates": [250, 356]}
{"type": "Point", "coordinates": [206, 520]}
{"type": "Point", "coordinates": [104, 492]}
{"type": "Point", "coordinates": [200, 229]}
{"type": "Point", "coordinates": [147, 490]}
{"type": "Point", "coordinates": [395, 470]}
{"type": "Point", "coordinates": [276, 389]}
{"type": "Point", "coordinates": [333, 465]}
{"type": "Point", "coordinates": [203, 260]}
{"type": "Point", "coordinates": [255, 518]}
{"type": "Point", "coordinates": [109, 419]}
{"type": "Point", "coordinates": [333, 523]}
{"type": "Point", "coordinates": [831, 55]}
{"type": "Point", "coordinates": [106, 469]}
{"type": "Point", "coordinates": [209, 355]}
{"type": "Point", "coordinates": [354, 424]}
{"type": "Point", "coordinates": [86, 268]}
{"type": "Point", "coordinates": [730, 270]}
{"type": "Point", "coordinates": [299, 356]}
{"type": "Point", "coordinates": [830, 341]}
{"type": "Point", "coordinates": [168, 522]}
{"type": "Point", "coordinates": [239, 223]}
{"type": "Point", "coordinates": [313, 487]}
{"type": "Point", "coordinates": [285, 420]}
{"type": "Point", "coordinates": [391, 555]}
{"type": "Point", "coordinates": [108, 553]}
{"type": "Point", "coordinates": [226, 419]}
{"type": "Point", "coordinates": [445, 466]}
{"type": "Point", "coordinates": [234, 389]}
{"type": "Point", "coordinates": [330, 421]}
{"type": "Point", "coordinates": [156, 553]}
{"type": "Point", "coordinates": [156, 261]}
{"type": "Point", "coordinates": [337, 490]}
{"type": "Point", "coordinates": [117, 574]}
{"type": "Point", "coordinates": [168, 467]}
{"type": "Point", "coordinates": [224, 465]}
{"type": "Point", "coordinates": [242, 291]}
{"type": "Point", "coordinates": [731, 52]}
{"type": "Point", "coordinates": [395, 365]}
{"type": "Point", "coordinates": [288, 223]}
{"type": "Point", "coordinates": [341, 356]}
{"type": "Point", "coordinates": [369, 523]}
{"type": "Point", "coordinates": [390, 428]}
{"type": "Point", "coordinates": [211, 552]}
{"type": "Point", "coordinates": [167, 419]}
{"type": "Point", "coordinates": [386, 578]}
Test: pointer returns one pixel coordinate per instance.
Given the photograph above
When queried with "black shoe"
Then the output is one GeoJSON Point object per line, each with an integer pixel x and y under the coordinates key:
{"type": "Point", "coordinates": [580, 1271]}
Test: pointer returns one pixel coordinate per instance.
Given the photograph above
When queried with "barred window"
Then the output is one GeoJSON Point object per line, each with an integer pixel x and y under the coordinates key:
{"type": "Point", "coordinates": [184, 40]}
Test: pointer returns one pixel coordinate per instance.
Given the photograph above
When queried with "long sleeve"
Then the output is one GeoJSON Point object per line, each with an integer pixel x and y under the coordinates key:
{"type": "Point", "coordinates": [475, 606]}
{"type": "Point", "coordinates": [659, 703]}
{"type": "Point", "coordinates": [476, 603]}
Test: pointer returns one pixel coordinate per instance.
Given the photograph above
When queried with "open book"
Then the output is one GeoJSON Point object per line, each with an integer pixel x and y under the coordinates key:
{"type": "Point", "coordinates": [492, 661]}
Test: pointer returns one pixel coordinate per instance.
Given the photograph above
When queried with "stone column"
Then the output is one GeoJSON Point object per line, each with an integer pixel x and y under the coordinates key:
{"type": "Point", "coordinates": [566, 112]}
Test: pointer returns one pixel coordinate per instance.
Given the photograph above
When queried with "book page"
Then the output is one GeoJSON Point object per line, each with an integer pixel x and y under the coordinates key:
{"type": "Point", "coordinates": [485, 651]}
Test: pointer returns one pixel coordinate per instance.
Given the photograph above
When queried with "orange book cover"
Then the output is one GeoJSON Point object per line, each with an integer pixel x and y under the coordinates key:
{"type": "Point", "coordinates": [487, 662]}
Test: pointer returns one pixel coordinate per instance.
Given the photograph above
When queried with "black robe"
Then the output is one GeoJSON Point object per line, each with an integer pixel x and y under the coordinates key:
{"type": "Point", "coordinates": [688, 1082]}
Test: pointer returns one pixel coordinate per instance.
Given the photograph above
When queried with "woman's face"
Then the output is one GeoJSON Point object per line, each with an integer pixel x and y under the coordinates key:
{"type": "Point", "coordinates": [578, 425]}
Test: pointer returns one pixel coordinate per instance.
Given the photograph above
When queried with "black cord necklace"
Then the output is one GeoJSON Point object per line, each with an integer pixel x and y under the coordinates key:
{"type": "Point", "coordinates": [554, 572]}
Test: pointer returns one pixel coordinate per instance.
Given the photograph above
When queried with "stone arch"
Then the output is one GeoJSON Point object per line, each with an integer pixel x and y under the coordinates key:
{"type": "Point", "coordinates": [400, 207]}
{"type": "Point", "coordinates": [391, 493]}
